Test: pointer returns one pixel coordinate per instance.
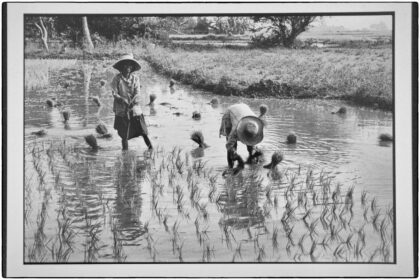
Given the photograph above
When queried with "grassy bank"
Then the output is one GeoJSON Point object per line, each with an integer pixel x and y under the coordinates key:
{"type": "Point", "coordinates": [363, 76]}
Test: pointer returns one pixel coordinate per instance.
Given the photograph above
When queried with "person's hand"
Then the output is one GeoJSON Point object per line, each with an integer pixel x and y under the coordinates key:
{"type": "Point", "coordinates": [237, 169]}
{"type": "Point", "coordinates": [121, 99]}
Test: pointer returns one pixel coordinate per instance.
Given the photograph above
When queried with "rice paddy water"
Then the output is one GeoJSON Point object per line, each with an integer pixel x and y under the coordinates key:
{"type": "Point", "coordinates": [329, 200]}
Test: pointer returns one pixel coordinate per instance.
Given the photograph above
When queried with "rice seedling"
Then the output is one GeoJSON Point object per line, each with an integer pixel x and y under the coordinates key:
{"type": "Point", "coordinates": [300, 243]}
{"type": "Point", "coordinates": [390, 214]}
{"type": "Point", "coordinates": [338, 252]}
{"type": "Point", "coordinates": [363, 198]}
{"type": "Point", "coordinates": [274, 238]}
{"type": "Point", "coordinates": [365, 214]}
{"type": "Point", "coordinates": [348, 241]}
{"type": "Point", "coordinates": [325, 243]}
{"type": "Point", "coordinates": [180, 247]}
{"type": "Point", "coordinates": [60, 253]}
{"type": "Point", "coordinates": [261, 254]}
{"type": "Point", "coordinates": [312, 229]}
{"type": "Point", "coordinates": [289, 235]}
{"type": "Point", "coordinates": [334, 233]}
{"type": "Point", "coordinates": [373, 205]}
{"type": "Point", "coordinates": [312, 252]}
{"type": "Point", "coordinates": [373, 255]}
{"type": "Point", "coordinates": [238, 252]}
{"type": "Point", "coordinates": [375, 221]}
{"type": "Point", "coordinates": [165, 222]}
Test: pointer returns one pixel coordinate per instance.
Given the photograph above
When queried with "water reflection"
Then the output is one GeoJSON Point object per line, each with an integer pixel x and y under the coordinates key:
{"type": "Point", "coordinates": [239, 202]}
{"type": "Point", "coordinates": [152, 110]}
{"type": "Point", "coordinates": [197, 153]}
{"type": "Point", "coordinates": [87, 75]}
{"type": "Point", "coordinates": [128, 203]}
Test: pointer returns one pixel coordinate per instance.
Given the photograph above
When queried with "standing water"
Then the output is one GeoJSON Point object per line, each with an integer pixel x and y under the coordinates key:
{"type": "Point", "coordinates": [329, 200]}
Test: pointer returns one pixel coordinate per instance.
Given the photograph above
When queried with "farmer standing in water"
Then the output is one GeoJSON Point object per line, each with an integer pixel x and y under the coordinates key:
{"type": "Point", "coordinates": [239, 123]}
{"type": "Point", "coordinates": [129, 120]}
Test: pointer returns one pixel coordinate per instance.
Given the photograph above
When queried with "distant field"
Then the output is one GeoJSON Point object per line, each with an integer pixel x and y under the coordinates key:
{"type": "Point", "coordinates": [337, 37]}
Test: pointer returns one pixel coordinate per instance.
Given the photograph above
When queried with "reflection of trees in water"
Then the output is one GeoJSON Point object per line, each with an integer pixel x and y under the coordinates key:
{"type": "Point", "coordinates": [87, 75]}
{"type": "Point", "coordinates": [238, 202]}
{"type": "Point", "coordinates": [129, 174]}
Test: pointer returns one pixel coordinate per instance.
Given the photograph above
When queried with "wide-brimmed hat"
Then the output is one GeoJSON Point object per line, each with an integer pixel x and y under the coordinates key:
{"type": "Point", "coordinates": [250, 130]}
{"type": "Point", "coordinates": [127, 58]}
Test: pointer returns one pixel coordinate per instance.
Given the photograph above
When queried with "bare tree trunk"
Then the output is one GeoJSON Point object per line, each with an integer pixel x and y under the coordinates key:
{"type": "Point", "coordinates": [86, 34]}
{"type": "Point", "coordinates": [44, 33]}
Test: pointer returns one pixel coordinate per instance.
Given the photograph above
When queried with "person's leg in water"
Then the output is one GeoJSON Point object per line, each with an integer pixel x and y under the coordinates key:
{"type": "Point", "coordinates": [250, 157]}
{"type": "Point", "coordinates": [231, 155]}
{"type": "Point", "coordinates": [124, 143]}
{"type": "Point", "coordinates": [121, 124]}
{"type": "Point", "coordinates": [147, 141]}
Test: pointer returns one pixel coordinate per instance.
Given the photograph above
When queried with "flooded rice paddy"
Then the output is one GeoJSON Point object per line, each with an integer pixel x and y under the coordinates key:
{"type": "Point", "coordinates": [330, 200]}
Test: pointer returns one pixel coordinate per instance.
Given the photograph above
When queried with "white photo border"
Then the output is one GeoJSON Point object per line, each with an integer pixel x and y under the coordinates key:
{"type": "Point", "coordinates": [403, 135]}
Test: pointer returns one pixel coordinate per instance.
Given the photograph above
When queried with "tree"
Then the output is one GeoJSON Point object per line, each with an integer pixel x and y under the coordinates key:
{"type": "Point", "coordinates": [43, 31]}
{"type": "Point", "coordinates": [86, 34]}
{"type": "Point", "coordinates": [283, 29]}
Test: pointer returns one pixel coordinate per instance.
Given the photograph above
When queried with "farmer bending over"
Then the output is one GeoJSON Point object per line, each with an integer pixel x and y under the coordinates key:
{"type": "Point", "coordinates": [240, 123]}
{"type": "Point", "coordinates": [129, 120]}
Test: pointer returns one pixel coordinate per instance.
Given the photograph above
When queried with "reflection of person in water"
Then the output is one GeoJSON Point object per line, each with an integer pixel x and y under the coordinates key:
{"type": "Point", "coordinates": [128, 201]}
{"type": "Point", "coordinates": [239, 203]}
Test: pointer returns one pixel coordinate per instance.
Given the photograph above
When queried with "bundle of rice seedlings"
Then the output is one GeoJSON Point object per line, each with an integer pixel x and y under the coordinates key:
{"type": "Point", "coordinates": [197, 137]}
{"type": "Point", "coordinates": [255, 157]}
{"type": "Point", "coordinates": [196, 115]}
{"type": "Point", "coordinates": [263, 110]}
{"type": "Point", "coordinates": [341, 110]}
{"type": "Point", "coordinates": [276, 158]}
{"type": "Point", "coordinates": [66, 84]}
{"type": "Point", "coordinates": [41, 132]}
{"type": "Point", "coordinates": [214, 101]}
{"type": "Point", "coordinates": [386, 137]}
{"type": "Point", "coordinates": [95, 100]}
{"type": "Point", "coordinates": [50, 103]}
{"type": "Point", "coordinates": [291, 138]}
{"type": "Point", "coordinates": [91, 141]}
{"type": "Point", "coordinates": [103, 131]}
{"type": "Point", "coordinates": [152, 98]}
{"type": "Point", "coordinates": [172, 83]}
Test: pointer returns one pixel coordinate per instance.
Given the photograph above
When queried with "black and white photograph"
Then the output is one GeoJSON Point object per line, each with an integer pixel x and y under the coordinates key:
{"type": "Point", "coordinates": [210, 139]}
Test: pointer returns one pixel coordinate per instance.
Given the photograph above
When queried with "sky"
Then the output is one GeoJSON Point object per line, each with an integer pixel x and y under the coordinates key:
{"type": "Point", "coordinates": [356, 22]}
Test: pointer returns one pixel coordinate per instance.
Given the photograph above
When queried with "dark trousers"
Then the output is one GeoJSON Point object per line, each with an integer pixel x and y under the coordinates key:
{"type": "Point", "coordinates": [121, 124]}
